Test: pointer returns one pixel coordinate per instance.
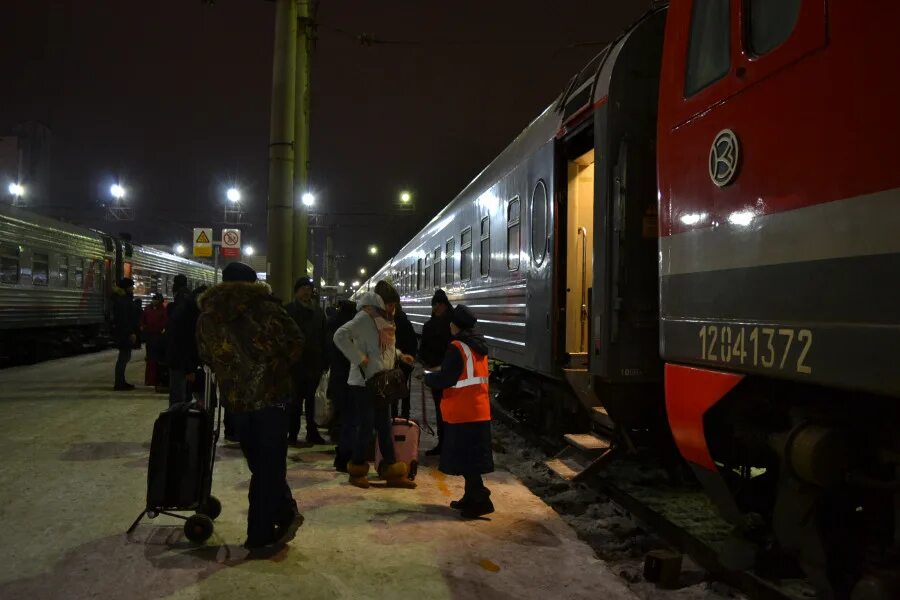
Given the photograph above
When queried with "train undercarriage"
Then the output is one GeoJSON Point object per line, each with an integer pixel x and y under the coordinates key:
{"type": "Point", "coordinates": [812, 474]}
{"type": "Point", "coordinates": [811, 488]}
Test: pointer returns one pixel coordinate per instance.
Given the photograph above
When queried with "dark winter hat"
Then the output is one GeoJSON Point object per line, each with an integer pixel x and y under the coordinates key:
{"type": "Point", "coordinates": [238, 272]}
{"type": "Point", "coordinates": [303, 282]}
{"type": "Point", "coordinates": [179, 282]}
{"type": "Point", "coordinates": [463, 317]}
{"type": "Point", "coordinates": [126, 283]}
{"type": "Point", "coordinates": [440, 297]}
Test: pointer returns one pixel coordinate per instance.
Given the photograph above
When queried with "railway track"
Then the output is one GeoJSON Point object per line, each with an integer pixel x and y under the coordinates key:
{"type": "Point", "coordinates": [683, 518]}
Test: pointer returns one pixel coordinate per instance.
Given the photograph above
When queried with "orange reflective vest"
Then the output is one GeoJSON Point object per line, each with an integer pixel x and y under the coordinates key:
{"type": "Point", "coordinates": [468, 401]}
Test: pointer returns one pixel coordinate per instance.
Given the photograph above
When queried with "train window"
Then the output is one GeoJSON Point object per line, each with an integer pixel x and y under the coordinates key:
{"type": "Point", "coordinates": [40, 268]}
{"type": "Point", "coordinates": [419, 280]}
{"type": "Point", "coordinates": [513, 234]}
{"type": "Point", "coordinates": [427, 281]}
{"type": "Point", "coordinates": [539, 218]}
{"type": "Point", "coordinates": [9, 263]}
{"type": "Point", "coordinates": [437, 267]}
{"type": "Point", "coordinates": [64, 270]}
{"type": "Point", "coordinates": [448, 261]}
{"type": "Point", "coordinates": [770, 23]}
{"type": "Point", "coordinates": [465, 255]}
{"type": "Point", "coordinates": [709, 50]}
{"type": "Point", "coordinates": [485, 246]}
{"type": "Point", "coordinates": [79, 272]}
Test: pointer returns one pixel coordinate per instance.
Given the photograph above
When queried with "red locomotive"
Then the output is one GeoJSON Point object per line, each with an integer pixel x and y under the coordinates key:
{"type": "Point", "coordinates": [779, 217]}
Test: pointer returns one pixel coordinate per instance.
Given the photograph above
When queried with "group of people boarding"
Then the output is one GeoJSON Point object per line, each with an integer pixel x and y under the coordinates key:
{"type": "Point", "coordinates": [256, 348]}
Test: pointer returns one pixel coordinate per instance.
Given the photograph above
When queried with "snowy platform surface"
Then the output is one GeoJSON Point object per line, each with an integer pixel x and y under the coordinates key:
{"type": "Point", "coordinates": [73, 479]}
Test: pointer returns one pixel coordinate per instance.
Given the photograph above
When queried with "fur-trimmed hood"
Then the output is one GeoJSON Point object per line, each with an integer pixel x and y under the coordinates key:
{"type": "Point", "coordinates": [229, 300]}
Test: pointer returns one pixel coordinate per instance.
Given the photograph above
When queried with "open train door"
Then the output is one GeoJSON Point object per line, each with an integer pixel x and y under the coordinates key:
{"type": "Point", "coordinates": [624, 356]}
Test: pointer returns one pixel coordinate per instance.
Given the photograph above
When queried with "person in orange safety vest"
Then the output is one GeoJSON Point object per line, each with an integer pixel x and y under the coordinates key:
{"type": "Point", "coordinates": [466, 409]}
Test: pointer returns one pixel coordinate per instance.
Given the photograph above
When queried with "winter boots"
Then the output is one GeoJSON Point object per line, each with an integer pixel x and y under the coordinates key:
{"type": "Point", "coordinates": [477, 507]}
{"type": "Point", "coordinates": [358, 474]}
{"type": "Point", "coordinates": [474, 503]}
{"type": "Point", "coordinates": [397, 475]}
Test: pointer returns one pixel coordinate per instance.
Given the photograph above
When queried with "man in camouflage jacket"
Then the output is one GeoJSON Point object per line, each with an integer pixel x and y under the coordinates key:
{"type": "Point", "coordinates": [250, 342]}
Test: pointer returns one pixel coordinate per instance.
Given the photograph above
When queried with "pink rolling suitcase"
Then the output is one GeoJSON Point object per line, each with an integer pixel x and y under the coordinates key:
{"type": "Point", "coordinates": [406, 434]}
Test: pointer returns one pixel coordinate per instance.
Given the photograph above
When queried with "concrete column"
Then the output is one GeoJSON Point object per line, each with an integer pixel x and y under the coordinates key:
{"type": "Point", "coordinates": [280, 210]}
{"type": "Point", "coordinates": [305, 34]}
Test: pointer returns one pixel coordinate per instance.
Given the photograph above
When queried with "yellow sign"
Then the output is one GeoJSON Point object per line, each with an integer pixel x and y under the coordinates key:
{"type": "Point", "coordinates": [203, 241]}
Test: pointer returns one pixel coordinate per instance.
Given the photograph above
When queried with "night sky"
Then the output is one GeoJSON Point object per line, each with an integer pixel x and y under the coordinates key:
{"type": "Point", "coordinates": [172, 97]}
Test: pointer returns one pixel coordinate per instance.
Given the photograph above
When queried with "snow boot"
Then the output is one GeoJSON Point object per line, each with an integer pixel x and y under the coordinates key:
{"type": "Point", "coordinates": [461, 503]}
{"type": "Point", "coordinates": [477, 505]}
{"type": "Point", "coordinates": [397, 476]}
{"type": "Point", "coordinates": [358, 474]}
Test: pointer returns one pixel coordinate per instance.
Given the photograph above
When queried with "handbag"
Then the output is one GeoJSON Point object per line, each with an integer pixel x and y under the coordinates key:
{"type": "Point", "coordinates": [387, 386]}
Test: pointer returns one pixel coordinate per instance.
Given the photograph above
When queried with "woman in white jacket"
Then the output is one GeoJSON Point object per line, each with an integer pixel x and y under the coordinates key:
{"type": "Point", "coordinates": [368, 343]}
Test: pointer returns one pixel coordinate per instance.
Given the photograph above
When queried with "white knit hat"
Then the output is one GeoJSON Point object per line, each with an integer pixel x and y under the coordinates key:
{"type": "Point", "coordinates": [369, 299]}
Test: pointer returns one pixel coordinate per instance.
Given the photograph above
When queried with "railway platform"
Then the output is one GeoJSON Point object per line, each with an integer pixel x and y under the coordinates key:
{"type": "Point", "coordinates": [73, 479]}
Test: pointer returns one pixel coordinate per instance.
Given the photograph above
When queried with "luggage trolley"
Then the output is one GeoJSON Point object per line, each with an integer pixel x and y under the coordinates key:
{"type": "Point", "coordinates": [182, 457]}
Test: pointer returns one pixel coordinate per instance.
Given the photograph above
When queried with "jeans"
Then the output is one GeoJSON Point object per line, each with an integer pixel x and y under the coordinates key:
{"type": "Point", "coordinates": [177, 386]}
{"type": "Point", "coordinates": [263, 436]}
{"type": "Point", "coordinates": [371, 415]}
{"type": "Point", "coordinates": [304, 394]}
{"type": "Point", "coordinates": [349, 424]}
{"type": "Point", "coordinates": [121, 362]}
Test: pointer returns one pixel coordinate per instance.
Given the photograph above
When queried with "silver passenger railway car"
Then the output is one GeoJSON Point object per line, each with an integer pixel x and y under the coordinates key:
{"type": "Point", "coordinates": [153, 271]}
{"type": "Point", "coordinates": [52, 274]}
{"type": "Point", "coordinates": [554, 244]}
{"type": "Point", "coordinates": [56, 279]}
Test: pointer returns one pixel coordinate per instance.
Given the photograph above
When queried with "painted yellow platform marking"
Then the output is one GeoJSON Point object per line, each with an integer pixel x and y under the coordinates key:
{"type": "Point", "coordinates": [441, 480]}
{"type": "Point", "coordinates": [488, 565]}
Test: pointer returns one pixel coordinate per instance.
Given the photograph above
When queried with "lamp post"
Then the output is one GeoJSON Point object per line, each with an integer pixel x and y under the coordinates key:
{"type": "Point", "coordinates": [117, 210]}
{"type": "Point", "coordinates": [248, 250]}
{"type": "Point", "coordinates": [373, 250]}
{"type": "Point", "coordinates": [362, 270]}
{"type": "Point", "coordinates": [179, 249]}
{"type": "Point", "coordinates": [234, 208]}
{"type": "Point", "coordinates": [17, 190]}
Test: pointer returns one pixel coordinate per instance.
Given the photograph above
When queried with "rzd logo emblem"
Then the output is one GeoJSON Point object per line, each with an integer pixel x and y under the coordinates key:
{"type": "Point", "coordinates": [723, 158]}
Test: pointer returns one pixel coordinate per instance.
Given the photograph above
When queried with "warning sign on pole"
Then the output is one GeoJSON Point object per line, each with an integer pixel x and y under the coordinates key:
{"type": "Point", "coordinates": [203, 241]}
{"type": "Point", "coordinates": [231, 242]}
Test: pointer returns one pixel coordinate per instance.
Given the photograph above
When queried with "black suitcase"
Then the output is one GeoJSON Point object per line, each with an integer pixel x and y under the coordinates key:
{"type": "Point", "coordinates": [182, 456]}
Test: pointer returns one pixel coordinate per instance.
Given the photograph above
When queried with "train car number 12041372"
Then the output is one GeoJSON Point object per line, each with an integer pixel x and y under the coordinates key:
{"type": "Point", "coordinates": [779, 348]}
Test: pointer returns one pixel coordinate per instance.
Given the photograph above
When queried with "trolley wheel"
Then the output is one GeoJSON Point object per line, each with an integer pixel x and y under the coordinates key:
{"type": "Point", "coordinates": [212, 508]}
{"type": "Point", "coordinates": [198, 528]}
